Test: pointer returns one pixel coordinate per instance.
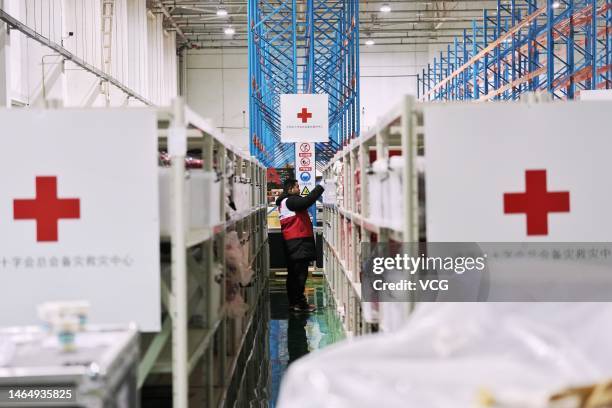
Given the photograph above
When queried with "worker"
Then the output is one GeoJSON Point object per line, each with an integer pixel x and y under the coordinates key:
{"type": "Point", "coordinates": [298, 236]}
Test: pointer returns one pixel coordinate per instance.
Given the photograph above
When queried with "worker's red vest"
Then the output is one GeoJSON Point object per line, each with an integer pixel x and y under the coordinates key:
{"type": "Point", "coordinates": [294, 224]}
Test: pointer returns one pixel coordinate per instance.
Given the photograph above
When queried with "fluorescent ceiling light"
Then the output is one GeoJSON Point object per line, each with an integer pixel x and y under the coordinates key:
{"type": "Point", "coordinates": [385, 8]}
{"type": "Point", "coordinates": [369, 42]}
{"type": "Point", "coordinates": [221, 12]}
{"type": "Point", "coordinates": [556, 5]}
{"type": "Point", "coordinates": [229, 31]}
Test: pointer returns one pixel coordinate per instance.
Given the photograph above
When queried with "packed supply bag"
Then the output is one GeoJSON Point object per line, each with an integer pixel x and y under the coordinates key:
{"type": "Point", "coordinates": [238, 273]}
{"type": "Point", "coordinates": [237, 259]}
{"type": "Point", "coordinates": [455, 355]}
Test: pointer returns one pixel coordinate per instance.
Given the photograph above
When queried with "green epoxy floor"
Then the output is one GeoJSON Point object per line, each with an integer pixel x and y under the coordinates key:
{"type": "Point", "coordinates": [294, 335]}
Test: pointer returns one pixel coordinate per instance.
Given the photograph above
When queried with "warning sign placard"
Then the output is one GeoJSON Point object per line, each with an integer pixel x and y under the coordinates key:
{"type": "Point", "coordinates": [304, 163]}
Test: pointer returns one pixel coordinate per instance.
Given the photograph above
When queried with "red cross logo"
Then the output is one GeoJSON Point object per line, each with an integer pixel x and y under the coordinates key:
{"type": "Point", "coordinates": [536, 202]}
{"type": "Point", "coordinates": [304, 115]}
{"type": "Point", "coordinates": [46, 209]}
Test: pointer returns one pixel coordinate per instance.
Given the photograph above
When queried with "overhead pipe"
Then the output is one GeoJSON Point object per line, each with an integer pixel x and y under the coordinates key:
{"type": "Point", "coordinates": [15, 24]}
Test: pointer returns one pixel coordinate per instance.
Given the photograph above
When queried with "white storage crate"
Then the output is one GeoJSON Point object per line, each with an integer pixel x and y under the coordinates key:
{"type": "Point", "coordinates": [165, 201]}
{"type": "Point", "coordinates": [205, 207]}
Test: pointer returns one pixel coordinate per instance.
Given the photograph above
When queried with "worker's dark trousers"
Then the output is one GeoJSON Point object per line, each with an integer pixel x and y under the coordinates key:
{"type": "Point", "coordinates": [297, 273]}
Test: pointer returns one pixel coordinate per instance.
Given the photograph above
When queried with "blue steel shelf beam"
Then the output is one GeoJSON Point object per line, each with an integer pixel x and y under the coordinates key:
{"type": "Point", "coordinates": [302, 46]}
{"type": "Point", "coordinates": [272, 72]}
{"type": "Point", "coordinates": [526, 45]}
{"type": "Point", "coordinates": [333, 68]}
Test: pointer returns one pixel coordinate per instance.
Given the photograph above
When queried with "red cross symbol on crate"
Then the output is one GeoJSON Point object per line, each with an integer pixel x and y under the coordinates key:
{"type": "Point", "coordinates": [304, 115]}
{"type": "Point", "coordinates": [47, 209]}
{"type": "Point", "coordinates": [536, 202]}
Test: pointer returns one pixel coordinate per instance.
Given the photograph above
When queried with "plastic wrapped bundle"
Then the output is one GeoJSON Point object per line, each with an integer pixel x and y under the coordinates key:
{"type": "Point", "coordinates": [239, 273]}
{"type": "Point", "coordinates": [396, 203]}
{"type": "Point", "coordinates": [339, 173]}
{"type": "Point", "coordinates": [376, 176]}
{"type": "Point", "coordinates": [329, 195]}
{"type": "Point", "coordinates": [461, 355]}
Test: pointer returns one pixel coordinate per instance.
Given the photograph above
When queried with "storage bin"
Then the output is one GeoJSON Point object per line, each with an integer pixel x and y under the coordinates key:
{"type": "Point", "coordinates": [165, 201]}
{"type": "Point", "coordinates": [205, 195]}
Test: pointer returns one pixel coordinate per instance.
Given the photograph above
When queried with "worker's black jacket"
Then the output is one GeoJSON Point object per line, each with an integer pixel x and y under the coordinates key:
{"type": "Point", "coordinates": [300, 249]}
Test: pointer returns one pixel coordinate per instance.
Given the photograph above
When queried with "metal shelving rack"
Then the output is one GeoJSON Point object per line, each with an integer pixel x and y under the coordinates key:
{"type": "Point", "coordinates": [347, 223]}
{"type": "Point", "coordinates": [207, 346]}
{"type": "Point", "coordinates": [272, 71]}
{"type": "Point", "coordinates": [560, 46]}
{"type": "Point", "coordinates": [332, 67]}
{"type": "Point", "coordinates": [309, 46]}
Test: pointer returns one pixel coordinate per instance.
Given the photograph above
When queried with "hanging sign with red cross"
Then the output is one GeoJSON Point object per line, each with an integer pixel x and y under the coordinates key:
{"type": "Point", "coordinates": [304, 118]}
{"type": "Point", "coordinates": [79, 214]}
{"type": "Point", "coordinates": [516, 172]}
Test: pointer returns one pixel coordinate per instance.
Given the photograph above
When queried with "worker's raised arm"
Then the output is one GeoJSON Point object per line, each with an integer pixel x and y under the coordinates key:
{"type": "Point", "coordinates": [298, 203]}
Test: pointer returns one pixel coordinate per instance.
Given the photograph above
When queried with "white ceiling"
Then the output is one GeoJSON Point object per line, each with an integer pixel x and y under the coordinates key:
{"type": "Point", "coordinates": [409, 23]}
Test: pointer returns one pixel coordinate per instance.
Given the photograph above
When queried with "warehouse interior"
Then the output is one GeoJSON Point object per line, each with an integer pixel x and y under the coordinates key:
{"type": "Point", "coordinates": [306, 203]}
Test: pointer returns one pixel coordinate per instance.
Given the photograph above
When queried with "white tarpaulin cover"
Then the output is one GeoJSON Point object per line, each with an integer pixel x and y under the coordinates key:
{"type": "Point", "coordinates": [447, 354]}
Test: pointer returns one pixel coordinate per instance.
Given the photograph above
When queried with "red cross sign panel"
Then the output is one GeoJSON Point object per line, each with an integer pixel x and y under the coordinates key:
{"type": "Point", "coordinates": [79, 214]}
{"type": "Point", "coordinates": [541, 177]}
{"type": "Point", "coordinates": [536, 203]}
{"type": "Point", "coordinates": [46, 209]}
{"type": "Point", "coordinates": [304, 118]}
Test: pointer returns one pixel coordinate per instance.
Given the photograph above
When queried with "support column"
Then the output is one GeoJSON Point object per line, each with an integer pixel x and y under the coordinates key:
{"type": "Point", "coordinates": [5, 67]}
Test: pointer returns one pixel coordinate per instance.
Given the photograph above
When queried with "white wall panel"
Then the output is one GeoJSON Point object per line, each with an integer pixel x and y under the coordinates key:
{"type": "Point", "coordinates": [386, 74]}
{"type": "Point", "coordinates": [217, 88]}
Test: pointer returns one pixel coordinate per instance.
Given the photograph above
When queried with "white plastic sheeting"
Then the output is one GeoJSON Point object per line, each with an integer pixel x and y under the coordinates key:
{"type": "Point", "coordinates": [447, 354]}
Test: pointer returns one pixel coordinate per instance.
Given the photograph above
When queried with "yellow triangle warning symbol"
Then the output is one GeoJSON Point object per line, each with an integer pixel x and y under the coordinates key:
{"type": "Point", "coordinates": [305, 191]}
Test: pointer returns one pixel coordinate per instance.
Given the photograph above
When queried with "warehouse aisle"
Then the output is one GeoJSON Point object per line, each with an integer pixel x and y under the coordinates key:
{"type": "Point", "coordinates": [292, 335]}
